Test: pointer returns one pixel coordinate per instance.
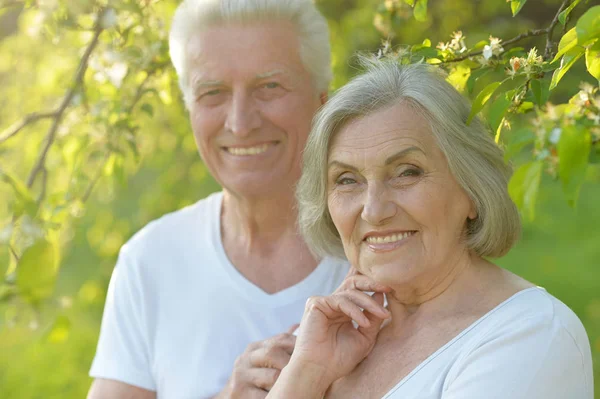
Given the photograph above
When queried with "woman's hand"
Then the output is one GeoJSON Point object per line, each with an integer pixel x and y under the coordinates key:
{"type": "Point", "coordinates": [327, 341]}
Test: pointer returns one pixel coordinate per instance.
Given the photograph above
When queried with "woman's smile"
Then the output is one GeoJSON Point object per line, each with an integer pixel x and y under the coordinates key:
{"type": "Point", "coordinates": [386, 242]}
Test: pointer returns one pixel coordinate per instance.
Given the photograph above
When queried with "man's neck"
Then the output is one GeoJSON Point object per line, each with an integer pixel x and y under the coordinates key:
{"type": "Point", "coordinates": [261, 239]}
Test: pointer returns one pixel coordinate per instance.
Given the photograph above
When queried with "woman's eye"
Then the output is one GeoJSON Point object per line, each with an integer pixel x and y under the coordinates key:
{"type": "Point", "coordinates": [344, 181]}
{"type": "Point", "coordinates": [410, 173]}
{"type": "Point", "coordinates": [271, 85]}
{"type": "Point", "coordinates": [213, 92]}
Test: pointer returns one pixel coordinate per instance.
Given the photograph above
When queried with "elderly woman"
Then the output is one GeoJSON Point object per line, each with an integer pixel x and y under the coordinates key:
{"type": "Point", "coordinates": [417, 201]}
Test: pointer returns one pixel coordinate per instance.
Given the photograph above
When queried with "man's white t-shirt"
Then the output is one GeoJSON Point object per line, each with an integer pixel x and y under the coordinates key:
{"type": "Point", "coordinates": [178, 313]}
{"type": "Point", "coordinates": [531, 346]}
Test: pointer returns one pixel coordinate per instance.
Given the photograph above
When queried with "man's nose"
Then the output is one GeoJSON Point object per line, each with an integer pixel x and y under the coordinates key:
{"type": "Point", "coordinates": [243, 115]}
{"type": "Point", "coordinates": [378, 206]}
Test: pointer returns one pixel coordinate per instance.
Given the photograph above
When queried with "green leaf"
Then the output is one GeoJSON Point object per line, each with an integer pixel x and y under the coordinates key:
{"type": "Point", "coordinates": [493, 90]}
{"type": "Point", "coordinates": [474, 77]}
{"type": "Point", "coordinates": [420, 10]}
{"type": "Point", "coordinates": [595, 154]}
{"type": "Point", "coordinates": [517, 141]}
{"type": "Point", "coordinates": [516, 5]}
{"type": "Point", "coordinates": [498, 110]}
{"type": "Point", "coordinates": [592, 60]}
{"type": "Point", "coordinates": [541, 90]}
{"type": "Point", "coordinates": [4, 261]}
{"type": "Point", "coordinates": [573, 153]}
{"type": "Point", "coordinates": [147, 108]}
{"type": "Point", "coordinates": [410, 2]}
{"type": "Point", "coordinates": [25, 202]}
{"type": "Point", "coordinates": [566, 63]}
{"type": "Point", "coordinates": [458, 76]}
{"type": "Point", "coordinates": [564, 14]}
{"type": "Point", "coordinates": [567, 42]}
{"type": "Point", "coordinates": [523, 187]}
{"type": "Point", "coordinates": [588, 26]}
{"type": "Point", "coordinates": [37, 270]}
{"type": "Point", "coordinates": [60, 330]}
{"type": "Point", "coordinates": [514, 52]}
{"type": "Point", "coordinates": [481, 99]}
{"type": "Point", "coordinates": [427, 52]}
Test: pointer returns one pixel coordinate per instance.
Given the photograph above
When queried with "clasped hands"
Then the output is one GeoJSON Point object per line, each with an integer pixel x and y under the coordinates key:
{"type": "Point", "coordinates": [327, 348]}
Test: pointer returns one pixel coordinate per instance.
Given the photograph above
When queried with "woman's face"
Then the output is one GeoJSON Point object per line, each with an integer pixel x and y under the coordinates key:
{"type": "Point", "coordinates": [398, 209]}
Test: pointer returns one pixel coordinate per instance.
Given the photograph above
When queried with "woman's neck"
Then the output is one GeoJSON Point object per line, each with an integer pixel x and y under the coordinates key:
{"type": "Point", "coordinates": [464, 280]}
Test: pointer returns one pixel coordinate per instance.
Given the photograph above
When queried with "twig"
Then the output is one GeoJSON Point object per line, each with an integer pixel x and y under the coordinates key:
{"type": "Point", "coordinates": [529, 33]}
{"type": "Point", "coordinates": [549, 43]}
{"type": "Point", "coordinates": [44, 185]}
{"type": "Point", "coordinates": [10, 4]}
{"type": "Point", "coordinates": [28, 119]}
{"type": "Point", "coordinates": [90, 188]}
{"type": "Point", "coordinates": [140, 90]}
{"type": "Point", "coordinates": [14, 253]}
{"type": "Point", "coordinates": [51, 135]}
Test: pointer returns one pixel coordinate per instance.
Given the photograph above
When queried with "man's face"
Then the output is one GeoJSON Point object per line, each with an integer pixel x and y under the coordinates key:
{"type": "Point", "coordinates": [253, 105]}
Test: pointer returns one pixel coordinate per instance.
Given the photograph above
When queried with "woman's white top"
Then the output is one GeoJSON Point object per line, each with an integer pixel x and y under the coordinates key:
{"type": "Point", "coordinates": [531, 346]}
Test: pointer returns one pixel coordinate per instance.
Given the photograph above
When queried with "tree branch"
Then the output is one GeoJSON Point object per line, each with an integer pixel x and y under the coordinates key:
{"type": "Point", "coordinates": [98, 175]}
{"type": "Point", "coordinates": [29, 119]}
{"type": "Point", "coordinates": [549, 43]}
{"type": "Point", "coordinates": [10, 4]}
{"type": "Point", "coordinates": [529, 33]}
{"type": "Point", "coordinates": [77, 81]}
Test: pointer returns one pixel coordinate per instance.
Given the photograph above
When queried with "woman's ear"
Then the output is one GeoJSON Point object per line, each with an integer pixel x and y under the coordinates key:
{"type": "Point", "coordinates": [472, 212]}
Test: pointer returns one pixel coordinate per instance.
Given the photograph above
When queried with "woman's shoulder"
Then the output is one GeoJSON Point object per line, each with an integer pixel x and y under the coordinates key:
{"type": "Point", "coordinates": [534, 320]}
{"type": "Point", "coordinates": [530, 336]}
{"type": "Point", "coordinates": [535, 307]}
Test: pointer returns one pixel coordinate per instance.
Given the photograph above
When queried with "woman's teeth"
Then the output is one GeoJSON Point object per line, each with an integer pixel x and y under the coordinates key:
{"type": "Point", "coordinates": [390, 238]}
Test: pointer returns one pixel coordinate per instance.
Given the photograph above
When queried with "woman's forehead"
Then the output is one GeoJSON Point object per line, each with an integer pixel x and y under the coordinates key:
{"type": "Point", "coordinates": [385, 130]}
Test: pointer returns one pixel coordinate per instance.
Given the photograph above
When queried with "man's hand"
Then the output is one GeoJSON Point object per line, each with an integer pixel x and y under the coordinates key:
{"type": "Point", "coordinates": [257, 369]}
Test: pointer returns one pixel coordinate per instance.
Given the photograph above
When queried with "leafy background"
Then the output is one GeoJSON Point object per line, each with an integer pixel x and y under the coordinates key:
{"type": "Point", "coordinates": [123, 154]}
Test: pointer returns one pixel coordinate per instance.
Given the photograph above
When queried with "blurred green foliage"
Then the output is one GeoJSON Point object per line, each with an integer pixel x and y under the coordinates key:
{"type": "Point", "coordinates": [102, 145]}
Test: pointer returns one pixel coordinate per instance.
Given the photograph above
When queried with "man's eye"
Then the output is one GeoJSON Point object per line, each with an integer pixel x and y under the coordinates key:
{"type": "Point", "coordinates": [213, 92]}
{"type": "Point", "coordinates": [271, 85]}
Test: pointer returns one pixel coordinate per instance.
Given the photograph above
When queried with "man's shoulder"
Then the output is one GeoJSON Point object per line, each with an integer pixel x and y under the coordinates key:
{"type": "Point", "coordinates": [175, 227]}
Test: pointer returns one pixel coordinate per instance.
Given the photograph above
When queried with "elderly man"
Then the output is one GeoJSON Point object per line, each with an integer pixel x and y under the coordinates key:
{"type": "Point", "coordinates": [200, 299]}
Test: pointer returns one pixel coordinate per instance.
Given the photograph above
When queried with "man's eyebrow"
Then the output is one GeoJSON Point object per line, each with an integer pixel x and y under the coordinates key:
{"type": "Point", "coordinates": [201, 84]}
{"type": "Point", "coordinates": [402, 154]}
{"type": "Point", "coordinates": [269, 74]}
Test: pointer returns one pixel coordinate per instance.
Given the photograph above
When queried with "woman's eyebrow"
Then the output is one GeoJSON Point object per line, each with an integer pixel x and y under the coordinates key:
{"type": "Point", "coordinates": [341, 165]}
{"type": "Point", "coordinates": [402, 154]}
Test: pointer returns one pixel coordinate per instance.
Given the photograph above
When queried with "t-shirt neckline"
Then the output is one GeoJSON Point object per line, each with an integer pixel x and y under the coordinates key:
{"type": "Point", "coordinates": [299, 291]}
{"type": "Point", "coordinates": [460, 335]}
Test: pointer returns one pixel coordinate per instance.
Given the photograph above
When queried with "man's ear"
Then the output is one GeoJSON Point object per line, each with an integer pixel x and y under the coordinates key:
{"type": "Point", "coordinates": [323, 97]}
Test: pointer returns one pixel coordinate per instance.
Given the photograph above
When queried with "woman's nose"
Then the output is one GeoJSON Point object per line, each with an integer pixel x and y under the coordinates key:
{"type": "Point", "coordinates": [378, 206]}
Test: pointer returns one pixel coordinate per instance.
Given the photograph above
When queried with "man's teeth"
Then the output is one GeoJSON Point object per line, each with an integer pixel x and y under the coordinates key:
{"type": "Point", "coordinates": [390, 238]}
{"type": "Point", "coordinates": [248, 150]}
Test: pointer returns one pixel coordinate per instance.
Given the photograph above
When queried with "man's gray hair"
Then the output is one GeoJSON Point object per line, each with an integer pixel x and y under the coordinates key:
{"type": "Point", "coordinates": [474, 159]}
{"type": "Point", "coordinates": [192, 16]}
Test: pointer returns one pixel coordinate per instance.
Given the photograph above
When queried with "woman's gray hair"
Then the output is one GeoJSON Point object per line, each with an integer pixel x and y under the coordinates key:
{"type": "Point", "coordinates": [474, 159]}
{"type": "Point", "coordinates": [192, 16]}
